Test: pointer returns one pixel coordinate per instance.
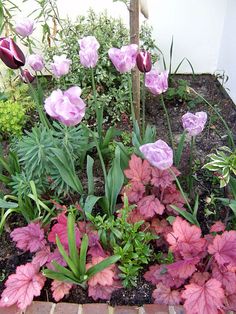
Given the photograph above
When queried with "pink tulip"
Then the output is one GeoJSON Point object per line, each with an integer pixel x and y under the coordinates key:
{"type": "Point", "coordinates": [88, 51]}
{"type": "Point", "coordinates": [159, 154]}
{"type": "Point", "coordinates": [24, 27]}
{"type": "Point", "coordinates": [60, 66]}
{"type": "Point", "coordinates": [194, 123]}
{"type": "Point", "coordinates": [124, 59]}
{"type": "Point", "coordinates": [11, 54]}
{"type": "Point", "coordinates": [36, 62]}
{"type": "Point", "coordinates": [66, 107]}
{"type": "Point", "coordinates": [157, 82]}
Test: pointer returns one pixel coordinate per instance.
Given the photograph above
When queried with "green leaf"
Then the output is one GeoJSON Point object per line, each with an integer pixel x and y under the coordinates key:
{"type": "Point", "coordinates": [66, 169]}
{"type": "Point", "coordinates": [90, 176]}
{"type": "Point", "coordinates": [179, 149]}
{"type": "Point", "coordinates": [72, 240]}
{"type": "Point", "coordinates": [89, 203]}
{"type": "Point", "coordinates": [186, 215]}
{"type": "Point", "coordinates": [83, 255]}
{"type": "Point", "coordinates": [67, 259]}
{"type": "Point", "coordinates": [114, 183]}
{"type": "Point", "coordinates": [1, 17]}
{"type": "Point", "coordinates": [56, 276]}
{"type": "Point", "coordinates": [102, 265]}
{"type": "Point", "coordinates": [5, 204]}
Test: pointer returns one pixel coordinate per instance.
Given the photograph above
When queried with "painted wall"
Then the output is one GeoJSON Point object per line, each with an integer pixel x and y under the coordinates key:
{"type": "Point", "coordinates": [227, 52]}
{"type": "Point", "coordinates": [203, 30]}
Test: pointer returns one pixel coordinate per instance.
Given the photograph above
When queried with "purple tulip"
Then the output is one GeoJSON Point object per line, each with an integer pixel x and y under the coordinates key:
{"type": "Point", "coordinates": [157, 82]}
{"type": "Point", "coordinates": [36, 62]}
{"type": "Point", "coordinates": [26, 76]}
{"type": "Point", "coordinates": [194, 123]}
{"type": "Point", "coordinates": [159, 154]}
{"type": "Point", "coordinates": [66, 107]}
{"type": "Point", "coordinates": [60, 66]}
{"type": "Point", "coordinates": [11, 54]}
{"type": "Point", "coordinates": [144, 61]}
{"type": "Point", "coordinates": [88, 51]}
{"type": "Point", "coordinates": [24, 27]}
{"type": "Point", "coordinates": [124, 59]}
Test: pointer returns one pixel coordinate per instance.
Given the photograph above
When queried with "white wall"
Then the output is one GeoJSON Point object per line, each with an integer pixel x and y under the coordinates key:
{"type": "Point", "coordinates": [203, 30]}
{"type": "Point", "coordinates": [227, 52]}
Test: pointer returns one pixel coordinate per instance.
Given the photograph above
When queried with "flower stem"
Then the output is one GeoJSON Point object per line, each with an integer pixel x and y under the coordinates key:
{"type": "Point", "coordinates": [143, 103]}
{"type": "Point", "coordinates": [181, 190]}
{"type": "Point", "coordinates": [99, 111]}
{"type": "Point", "coordinates": [131, 99]}
{"type": "Point", "coordinates": [168, 122]}
{"type": "Point", "coordinates": [192, 146]}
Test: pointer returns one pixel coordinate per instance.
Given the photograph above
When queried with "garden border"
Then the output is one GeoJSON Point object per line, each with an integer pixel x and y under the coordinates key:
{"type": "Point", "coordinates": [93, 308]}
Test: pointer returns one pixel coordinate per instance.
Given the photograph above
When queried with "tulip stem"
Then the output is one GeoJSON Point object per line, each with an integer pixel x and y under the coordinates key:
{"type": "Point", "coordinates": [190, 183]}
{"type": "Point", "coordinates": [143, 103]}
{"type": "Point", "coordinates": [181, 190]}
{"type": "Point", "coordinates": [168, 122]}
{"type": "Point", "coordinates": [131, 99]}
{"type": "Point", "coordinates": [99, 110]}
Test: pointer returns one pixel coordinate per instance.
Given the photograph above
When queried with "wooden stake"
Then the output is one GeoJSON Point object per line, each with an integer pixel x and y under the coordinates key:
{"type": "Point", "coordinates": [134, 39]}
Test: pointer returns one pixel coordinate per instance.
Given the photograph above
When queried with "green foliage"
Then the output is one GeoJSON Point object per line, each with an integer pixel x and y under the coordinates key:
{"type": "Point", "coordinates": [223, 163]}
{"type": "Point", "coordinates": [76, 261]}
{"type": "Point", "coordinates": [12, 118]}
{"type": "Point", "coordinates": [41, 163]}
{"type": "Point", "coordinates": [112, 87]}
{"type": "Point", "coordinates": [127, 240]}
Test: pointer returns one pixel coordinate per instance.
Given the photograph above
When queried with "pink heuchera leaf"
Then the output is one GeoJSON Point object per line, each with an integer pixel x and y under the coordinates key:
{"type": "Point", "coordinates": [60, 289]}
{"type": "Point", "coordinates": [134, 191]}
{"type": "Point", "coordinates": [206, 299]}
{"type": "Point", "coordinates": [230, 302]}
{"type": "Point", "coordinates": [163, 178]}
{"type": "Point", "coordinates": [135, 216]}
{"type": "Point", "coordinates": [158, 273]}
{"type": "Point", "coordinates": [149, 206]}
{"type": "Point", "coordinates": [104, 277]}
{"type": "Point", "coordinates": [226, 277]}
{"type": "Point", "coordinates": [183, 268]}
{"type": "Point", "coordinates": [42, 257]}
{"type": "Point", "coordinates": [22, 286]}
{"type": "Point", "coordinates": [103, 292]}
{"type": "Point", "coordinates": [29, 238]}
{"type": "Point", "coordinates": [95, 248]}
{"type": "Point", "coordinates": [164, 295]}
{"type": "Point", "coordinates": [138, 170]}
{"type": "Point", "coordinates": [60, 230]}
{"type": "Point", "coordinates": [172, 196]}
{"type": "Point", "coordinates": [186, 239]}
{"type": "Point", "coordinates": [224, 248]}
{"type": "Point", "coordinates": [200, 278]}
{"type": "Point", "coordinates": [55, 256]}
{"type": "Point", "coordinates": [218, 227]}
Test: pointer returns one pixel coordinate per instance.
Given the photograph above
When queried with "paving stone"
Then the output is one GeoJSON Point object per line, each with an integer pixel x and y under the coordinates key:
{"type": "Point", "coordinates": [95, 308]}
{"type": "Point", "coordinates": [126, 310]}
{"type": "Point", "coordinates": [155, 309]}
{"type": "Point", "coordinates": [66, 308]}
{"type": "Point", "coordinates": [40, 308]}
{"type": "Point", "coordinates": [10, 310]}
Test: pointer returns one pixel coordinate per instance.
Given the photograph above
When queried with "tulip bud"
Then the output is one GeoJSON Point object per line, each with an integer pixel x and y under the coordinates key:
{"type": "Point", "coordinates": [24, 27]}
{"type": "Point", "coordinates": [144, 62]}
{"type": "Point", "coordinates": [11, 54]}
{"type": "Point", "coordinates": [26, 76]}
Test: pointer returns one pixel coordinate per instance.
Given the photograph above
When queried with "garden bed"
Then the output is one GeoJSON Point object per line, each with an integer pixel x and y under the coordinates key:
{"type": "Point", "coordinates": [211, 138]}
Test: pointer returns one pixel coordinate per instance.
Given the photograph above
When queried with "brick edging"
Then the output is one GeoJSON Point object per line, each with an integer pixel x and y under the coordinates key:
{"type": "Point", "coordinates": [94, 308]}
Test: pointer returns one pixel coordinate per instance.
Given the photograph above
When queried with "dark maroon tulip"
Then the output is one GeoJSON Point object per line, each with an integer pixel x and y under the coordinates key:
{"type": "Point", "coordinates": [26, 76]}
{"type": "Point", "coordinates": [144, 61]}
{"type": "Point", "coordinates": [11, 54]}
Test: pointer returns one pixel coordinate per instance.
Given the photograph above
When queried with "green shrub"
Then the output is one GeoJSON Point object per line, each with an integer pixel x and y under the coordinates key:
{"type": "Point", "coordinates": [12, 118]}
{"type": "Point", "coordinates": [112, 87]}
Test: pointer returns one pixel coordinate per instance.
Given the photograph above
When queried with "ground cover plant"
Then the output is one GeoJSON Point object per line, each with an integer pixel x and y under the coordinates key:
{"type": "Point", "coordinates": [92, 210]}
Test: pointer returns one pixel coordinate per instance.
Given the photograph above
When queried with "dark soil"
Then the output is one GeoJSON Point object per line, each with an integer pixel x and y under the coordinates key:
{"type": "Point", "coordinates": [213, 136]}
